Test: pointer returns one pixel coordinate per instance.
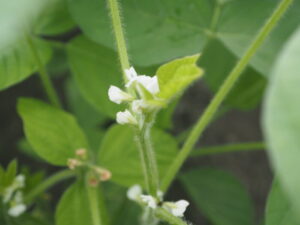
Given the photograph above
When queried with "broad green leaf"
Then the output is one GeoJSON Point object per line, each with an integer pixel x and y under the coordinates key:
{"type": "Point", "coordinates": [54, 19]}
{"type": "Point", "coordinates": [17, 61]}
{"type": "Point", "coordinates": [168, 29]}
{"type": "Point", "coordinates": [119, 154]}
{"type": "Point", "coordinates": [219, 196]}
{"type": "Point", "coordinates": [53, 133]}
{"type": "Point", "coordinates": [175, 76]}
{"type": "Point", "coordinates": [281, 119]}
{"type": "Point", "coordinates": [217, 62]}
{"type": "Point", "coordinates": [279, 210]}
{"type": "Point", "coordinates": [74, 206]}
{"type": "Point", "coordinates": [95, 68]}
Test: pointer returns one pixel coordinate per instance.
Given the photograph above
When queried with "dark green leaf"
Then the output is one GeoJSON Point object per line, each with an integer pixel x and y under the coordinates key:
{"type": "Point", "coordinates": [53, 133]}
{"type": "Point", "coordinates": [55, 19]}
{"type": "Point", "coordinates": [95, 68]}
{"type": "Point", "coordinates": [219, 196]}
{"type": "Point", "coordinates": [217, 63]}
{"type": "Point", "coordinates": [119, 154]}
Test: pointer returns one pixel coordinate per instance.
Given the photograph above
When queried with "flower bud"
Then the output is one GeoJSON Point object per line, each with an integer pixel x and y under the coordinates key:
{"type": "Point", "coordinates": [118, 96]}
{"type": "Point", "coordinates": [126, 118]}
{"type": "Point", "coordinates": [73, 163]}
{"type": "Point", "coordinates": [82, 153]}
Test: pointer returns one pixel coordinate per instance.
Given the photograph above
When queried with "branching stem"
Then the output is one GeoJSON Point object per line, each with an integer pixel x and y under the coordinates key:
{"type": "Point", "coordinates": [212, 108]}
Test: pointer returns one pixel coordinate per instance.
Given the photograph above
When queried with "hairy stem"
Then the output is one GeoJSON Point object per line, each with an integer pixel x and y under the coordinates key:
{"type": "Point", "coordinates": [210, 111]}
{"type": "Point", "coordinates": [164, 215]}
{"type": "Point", "coordinates": [46, 82]}
{"type": "Point", "coordinates": [143, 138]}
{"type": "Point", "coordinates": [48, 183]}
{"type": "Point", "coordinates": [119, 35]}
{"type": "Point", "coordinates": [250, 146]}
{"type": "Point", "coordinates": [94, 205]}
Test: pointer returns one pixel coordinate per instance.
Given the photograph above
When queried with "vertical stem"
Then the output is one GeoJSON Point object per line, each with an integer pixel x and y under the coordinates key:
{"type": "Point", "coordinates": [210, 111]}
{"type": "Point", "coordinates": [46, 82]}
{"type": "Point", "coordinates": [148, 159]}
{"type": "Point", "coordinates": [94, 205]}
{"type": "Point", "coordinates": [119, 35]}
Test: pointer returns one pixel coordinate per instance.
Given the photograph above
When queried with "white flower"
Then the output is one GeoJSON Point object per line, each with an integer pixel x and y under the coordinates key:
{"type": "Point", "coordinates": [131, 73]}
{"type": "Point", "coordinates": [19, 181]}
{"type": "Point", "coordinates": [176, 208]}
{"type": "Point", "coordinates": [150, 83]}
{"type": "Point", "coordinates": [126, 118]}
{"type": "Point", "coordinates": [134, 193]}
{"type": "Point", "coordinates": [17, 210]}
{"type": "Point", "coordinates": [118, 96]}
{"type": "Point", "coordinates": [8, 192]}
{"type": "Point", "coordinates": [149, 200]}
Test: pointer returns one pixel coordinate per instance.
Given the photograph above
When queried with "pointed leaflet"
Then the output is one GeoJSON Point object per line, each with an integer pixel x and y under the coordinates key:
{"type": "Point", "coordinates": [53, 133]}
{"type": "Point", "coordinates": [281, 119]}
{"type": "Point", "coordinates": [175, 76]}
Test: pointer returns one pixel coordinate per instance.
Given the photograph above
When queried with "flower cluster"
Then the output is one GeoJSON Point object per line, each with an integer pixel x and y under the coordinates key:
{"type": "Point", "coordinates": [13, 196]}
{"type": "Point", "coordinates": [176, 208]}
{"type": "Point", "coordinates": [97, 173]}
{"type": "Point", "coordinates": [144, 91]}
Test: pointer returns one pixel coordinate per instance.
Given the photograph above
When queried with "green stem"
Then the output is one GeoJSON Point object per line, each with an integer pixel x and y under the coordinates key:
{"type": "Point", "coordinates": [164, 215]}
{"type": "Point", "coordinates": [119, 35]}
{"type": "Point", "coordinates": [228, 148]}
{"type": "Point", "coordinates": [210, 111]}
{"type": "Point", "coordinates": [46, 82]}
{"type": "Point", "coordinates": [94, 205]}
{"type": "Point", "coordinates": [46, 184]}
{"type": "Point", "coordinates": [143, 138]}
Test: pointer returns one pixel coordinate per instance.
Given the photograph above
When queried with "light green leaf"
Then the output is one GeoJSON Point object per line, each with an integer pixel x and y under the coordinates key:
{"type": "Point", "coordinates": [217, 62]}
{"type": "Point", "coordinates": [17, 61]}
{"type": "Point", "coordinates": [279, 210]}
{"type": "Point", "coordinates": [74, 206]}
{"type": "Point", "coordinates": [219, 196]}
{"type": "Point", "coordinates": [168, 29]}
{"type": "Point", "coordinates": [55, 19]}
{"type": "Point", "coordinates": [53, 133]}
{"type": "Point", "coordinates": [95, 68]}
{"type": "Point", "coordinates": [175, 76]}
{"type": "Point", "coordinates": [119, 154]}
{"type": "Point", "coordinates": [281, 119]}
{"type": "Point", "coordinates": [11, 172]}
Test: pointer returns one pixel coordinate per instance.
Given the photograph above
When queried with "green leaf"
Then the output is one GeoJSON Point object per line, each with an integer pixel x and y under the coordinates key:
{"type": "Point", "coordinates": [220, 196]}
{"type": "Point", "coordinates": [55, 19]}
{"type": "Point", "coordinates": [119, 154]}
{"type": "Point", "coordinates": [217, 62]}
{"type": "Point", "coordinates": [74, 207]}
{"type": "Point", "coordinates": [175, 76]}
{"type": "Point", "coordinates": [122, 210]}
{"type": "Point", "coordinates": [173, 28]}
{"type": "Point", "coordinates": [95, 68]}
{"type": "Point", "coordinates": [53, 133]}
{"type": "Point", "coordinates": [279, 210]}
{"type": "Point", "coordinates": [11, 172]}
{"type": "Point", "coordinates": [17, 61]}
{"type": "Point", "coordinates": [281, 119]}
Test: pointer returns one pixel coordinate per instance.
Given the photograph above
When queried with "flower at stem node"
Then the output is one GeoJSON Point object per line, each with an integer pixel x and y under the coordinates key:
{"type": "Point", "coordinates": [126, 118]}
